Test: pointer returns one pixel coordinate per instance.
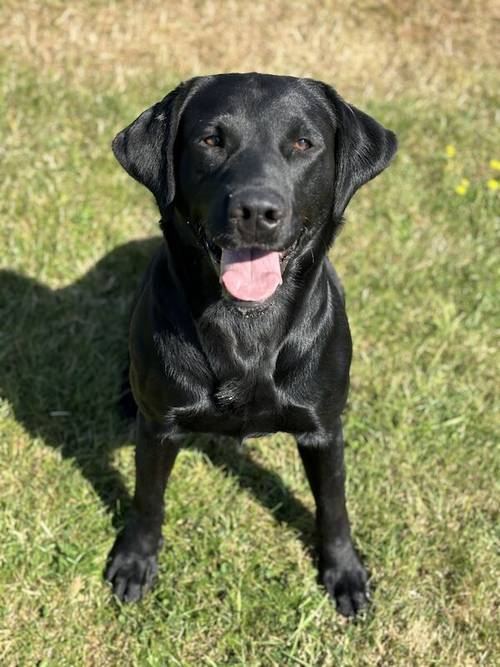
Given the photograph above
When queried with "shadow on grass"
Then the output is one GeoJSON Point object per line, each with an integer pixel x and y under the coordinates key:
{"type": "Point", "coordinates": [63, 353]}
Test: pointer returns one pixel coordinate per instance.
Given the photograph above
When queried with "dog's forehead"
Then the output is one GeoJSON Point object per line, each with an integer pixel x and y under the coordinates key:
{"type": "Point", "coordinates": [255, 97]}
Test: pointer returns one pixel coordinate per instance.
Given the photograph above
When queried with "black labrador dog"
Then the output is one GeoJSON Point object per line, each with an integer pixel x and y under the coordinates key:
{"type": "Point", "coordinates": [239, 327]}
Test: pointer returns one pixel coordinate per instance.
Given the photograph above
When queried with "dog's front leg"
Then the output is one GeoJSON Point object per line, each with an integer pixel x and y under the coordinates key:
{"type": "Point", "coordinates": [340, 568]}
{"type": "Point", "coordinates": [132, 562]}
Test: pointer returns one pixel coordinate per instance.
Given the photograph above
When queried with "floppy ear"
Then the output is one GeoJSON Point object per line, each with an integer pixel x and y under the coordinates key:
{"type": "Point", "coordinates": [363, 148]}
{"type": "Point", "coordinates": [145, 148]}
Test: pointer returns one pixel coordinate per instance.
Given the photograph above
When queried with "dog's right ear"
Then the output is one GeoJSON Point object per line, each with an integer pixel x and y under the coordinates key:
{"type": "Point", "coordinates": [145, 148]}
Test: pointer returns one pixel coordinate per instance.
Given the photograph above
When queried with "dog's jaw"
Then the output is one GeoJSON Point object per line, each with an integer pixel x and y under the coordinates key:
{"type": "Point", "coordinates": [216, 253]}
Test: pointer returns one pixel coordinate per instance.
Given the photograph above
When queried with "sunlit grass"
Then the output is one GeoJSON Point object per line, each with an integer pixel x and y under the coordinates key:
{"type": "Point", "coordinates": [238, 586]}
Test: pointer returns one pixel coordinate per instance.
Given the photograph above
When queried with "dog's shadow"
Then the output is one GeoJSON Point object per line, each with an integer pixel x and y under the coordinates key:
{"type": "Point", "coordinates": [63, 354]}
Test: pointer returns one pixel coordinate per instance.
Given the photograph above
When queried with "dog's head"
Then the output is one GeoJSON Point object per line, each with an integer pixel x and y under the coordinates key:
{"type": "Point", "coordinates": [262, 167]}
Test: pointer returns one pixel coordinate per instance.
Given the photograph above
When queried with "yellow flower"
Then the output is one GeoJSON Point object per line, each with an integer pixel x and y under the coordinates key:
{"type": "Point", "coordinates": [462, 187]}
{"type": "Point", "coordinates": [493, 184]}
{"type": "Point", "coordinates": [495, 164]}
{"type": "Point", "coordinates": [450, 150]}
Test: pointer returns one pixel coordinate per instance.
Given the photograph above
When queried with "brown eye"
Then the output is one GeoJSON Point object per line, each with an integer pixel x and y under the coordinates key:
{"type": "Point", "coordinates": [302, 144]}
{"type": "Point", "coordinates": [212, 140]}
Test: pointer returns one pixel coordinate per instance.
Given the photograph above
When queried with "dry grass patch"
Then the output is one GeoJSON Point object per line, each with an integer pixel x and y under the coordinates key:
{"type": "Point", "coordinates": [367, 49]}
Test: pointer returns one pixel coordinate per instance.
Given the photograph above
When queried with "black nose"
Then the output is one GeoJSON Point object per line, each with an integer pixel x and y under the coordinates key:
{"type": "Point", "coordinates": [256, 210]}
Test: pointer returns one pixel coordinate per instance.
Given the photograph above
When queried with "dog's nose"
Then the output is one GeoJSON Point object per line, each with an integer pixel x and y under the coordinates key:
{"type": "Point", "coordinates": [256, 210]}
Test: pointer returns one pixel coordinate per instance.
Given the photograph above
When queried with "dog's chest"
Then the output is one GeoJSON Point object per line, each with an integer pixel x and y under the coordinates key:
{"type": "Point", "coordinates": [247, 405]}
{"type": "Point", "coordinates": [237, 384]}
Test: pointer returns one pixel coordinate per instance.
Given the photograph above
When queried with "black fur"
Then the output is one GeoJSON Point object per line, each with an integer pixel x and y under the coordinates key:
{"type": "Point", "coordinates": [202, 361]}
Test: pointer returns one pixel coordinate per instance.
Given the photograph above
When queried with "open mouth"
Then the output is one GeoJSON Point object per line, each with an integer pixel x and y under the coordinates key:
{"type": "Point", "coordinates": [215, 251]}
{"type": "Point", "coordinates": [248, 274]}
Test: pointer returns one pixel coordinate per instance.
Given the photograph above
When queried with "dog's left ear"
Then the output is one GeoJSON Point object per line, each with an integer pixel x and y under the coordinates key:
{"type": "Point", "coordinates": [363, 148]}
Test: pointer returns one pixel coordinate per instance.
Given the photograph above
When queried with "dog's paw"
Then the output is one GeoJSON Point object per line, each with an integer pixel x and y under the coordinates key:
{"type": "Point", "coordinates": [347, 585]}
{"type": "Point", "coordinates": [131, 571]}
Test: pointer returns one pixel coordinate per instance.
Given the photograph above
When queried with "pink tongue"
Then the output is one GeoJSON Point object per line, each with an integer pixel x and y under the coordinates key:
{"type": "Point", "coordinates": [250, 274]}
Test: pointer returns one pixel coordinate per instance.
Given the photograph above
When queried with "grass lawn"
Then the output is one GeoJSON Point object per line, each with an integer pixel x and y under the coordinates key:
{"type": "Point", "coordinates": [419, 261]}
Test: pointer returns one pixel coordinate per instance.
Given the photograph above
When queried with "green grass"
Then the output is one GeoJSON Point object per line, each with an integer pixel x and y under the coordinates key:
{"type": "Point", "coordinates": [237, 578]}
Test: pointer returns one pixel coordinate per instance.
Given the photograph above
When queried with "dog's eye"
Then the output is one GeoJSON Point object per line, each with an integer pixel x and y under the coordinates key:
{"type": "Point", "coordinates": [302, 144]}
{"type": "Point", "coordinates": [212, 140]}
